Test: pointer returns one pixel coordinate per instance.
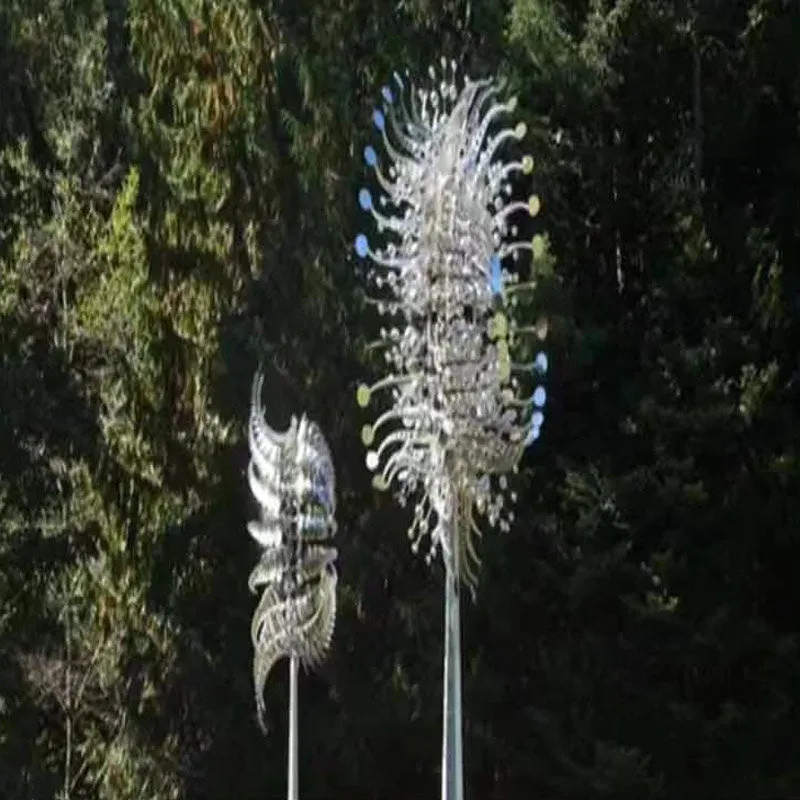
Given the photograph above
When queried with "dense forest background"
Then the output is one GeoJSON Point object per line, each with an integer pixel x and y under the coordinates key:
{"type": "Point", "coordinates": [178, 184]}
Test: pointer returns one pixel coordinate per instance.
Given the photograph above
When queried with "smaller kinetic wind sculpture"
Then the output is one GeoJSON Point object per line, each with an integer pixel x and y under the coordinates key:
{"type": "Point", "coordinates": [454, 419]}
{"type": "Point", "coordinates": [292, 479]}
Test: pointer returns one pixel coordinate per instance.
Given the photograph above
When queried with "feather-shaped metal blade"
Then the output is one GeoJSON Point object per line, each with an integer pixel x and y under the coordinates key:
{"type": "Point", "coordinates": [291, 476]}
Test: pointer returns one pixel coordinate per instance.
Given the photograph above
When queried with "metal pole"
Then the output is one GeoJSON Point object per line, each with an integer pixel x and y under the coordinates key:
{"type": "Point", "coordinates": [291, 791]}
{"type": "Point", "coordinates": [452, 754]}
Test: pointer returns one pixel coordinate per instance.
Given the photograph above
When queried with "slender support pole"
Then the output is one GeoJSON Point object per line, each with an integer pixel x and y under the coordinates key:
{"type": "Point", "coordinates": [291, 780]}
{"type": "Point", "coordinates": [452, 755]}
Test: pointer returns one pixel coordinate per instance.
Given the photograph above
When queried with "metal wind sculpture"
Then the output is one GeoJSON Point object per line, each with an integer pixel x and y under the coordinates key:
{"type": "Point", "coordinates": [292, 478]}
{"type": "Point", "coordinates": [454, 420]}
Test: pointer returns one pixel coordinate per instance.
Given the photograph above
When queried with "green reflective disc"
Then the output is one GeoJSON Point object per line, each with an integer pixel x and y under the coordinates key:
{"type": "Point", "coordinates": [363, 395]}
{"type": "Point", "coordinates": [527, 165]}
{"type": "Point", "coordinates": [500, 325]}
{"type": "Point", "coordinates": [367, 435]}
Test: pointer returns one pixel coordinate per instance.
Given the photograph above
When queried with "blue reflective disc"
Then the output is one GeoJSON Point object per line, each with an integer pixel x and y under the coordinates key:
{"type": "Point", "coordinates": [496, 280]}
{"type": "Point", "coordinates": [362, 245]}
{"type": "Point", "coordinates": [533, 435]}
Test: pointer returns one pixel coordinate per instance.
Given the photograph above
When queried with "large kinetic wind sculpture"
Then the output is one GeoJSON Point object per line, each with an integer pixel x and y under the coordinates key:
{"type": "Point", "coordinates": [292, 478]}
{"type": "Point", "coordinates": [454, 418]}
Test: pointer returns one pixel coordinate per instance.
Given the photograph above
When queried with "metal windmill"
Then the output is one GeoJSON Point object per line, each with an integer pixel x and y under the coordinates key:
{"type": "Point", "coordinates": [454, 418]}
{"type": "Point", "coordinates": [292, 478]}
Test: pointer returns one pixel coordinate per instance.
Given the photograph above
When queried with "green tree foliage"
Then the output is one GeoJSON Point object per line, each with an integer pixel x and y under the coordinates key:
{"type": "Point", "coordinates": [177, 203]}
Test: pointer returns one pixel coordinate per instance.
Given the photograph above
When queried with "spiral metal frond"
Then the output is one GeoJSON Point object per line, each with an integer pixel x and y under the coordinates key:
{"type": "Point", "coordinates": [292, 478]}
{"type": "Point", "coordinates": [457, 409]}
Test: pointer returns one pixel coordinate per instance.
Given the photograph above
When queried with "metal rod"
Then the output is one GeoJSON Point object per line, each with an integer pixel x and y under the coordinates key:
{"type": "Point", "coordinates": [452, 754]}
{"type": "Point", "coordinates": [291, 780]}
